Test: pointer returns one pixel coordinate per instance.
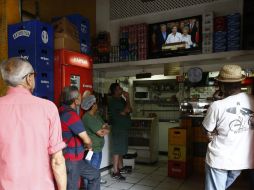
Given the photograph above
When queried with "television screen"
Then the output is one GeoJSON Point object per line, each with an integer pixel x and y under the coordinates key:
{"type": "Point", "coordinates": [175, 38]}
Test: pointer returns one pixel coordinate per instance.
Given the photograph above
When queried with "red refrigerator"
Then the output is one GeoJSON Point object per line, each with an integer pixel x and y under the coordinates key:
{"type": "Point", "coordinates": [72, 68]}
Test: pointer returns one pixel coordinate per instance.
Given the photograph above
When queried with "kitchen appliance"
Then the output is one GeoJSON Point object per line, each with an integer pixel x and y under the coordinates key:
{"type": "Point", "coordinates": [72, 69]}
{"type": "Point", "coordinates": [141, 93]}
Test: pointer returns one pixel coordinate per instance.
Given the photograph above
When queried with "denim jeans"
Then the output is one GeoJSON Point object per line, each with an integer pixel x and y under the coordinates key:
{"type": "Point", "coordinates": [82, 168]}
{"type": "Point", "coordinates": [95, 162]}
{"type": "Point", "coordinates": [217, 179]}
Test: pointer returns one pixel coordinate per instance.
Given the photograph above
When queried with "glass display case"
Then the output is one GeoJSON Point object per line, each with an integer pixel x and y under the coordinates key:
{"type": "Point", "coordinates": [143, 138]}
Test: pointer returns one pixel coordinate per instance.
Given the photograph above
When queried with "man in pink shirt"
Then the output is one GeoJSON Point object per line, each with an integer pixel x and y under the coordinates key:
{"type": "Point", "coordinates": [30, 134]}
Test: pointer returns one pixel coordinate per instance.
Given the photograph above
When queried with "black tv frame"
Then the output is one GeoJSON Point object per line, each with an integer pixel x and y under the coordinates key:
{"type": "Point", "coordinates": [173, 53]}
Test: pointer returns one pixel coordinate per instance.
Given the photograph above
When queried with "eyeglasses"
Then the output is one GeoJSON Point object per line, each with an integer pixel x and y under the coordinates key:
{"type": "Point", "coordinates": [32, 73]}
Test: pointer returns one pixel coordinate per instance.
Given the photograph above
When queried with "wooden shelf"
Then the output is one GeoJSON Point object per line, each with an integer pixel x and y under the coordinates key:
{"type": "Point", "coordinates": [188, 60]}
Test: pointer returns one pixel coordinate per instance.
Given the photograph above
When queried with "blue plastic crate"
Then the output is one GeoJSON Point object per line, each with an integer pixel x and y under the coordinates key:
{"type": "Point", "coordinates": [45, 95]}
{"type": "Point", "coordinates": [44, 82]}
{"type": "Point", "coordinates": [30, 33]}
{"type": "Point", "coordinates": [42, 59]}
{"type": "Point", "coordinates": [85, 45]}
{"type": "Point", "coordinates": [83, 26]}
{"type": "Point", "coordinates": [81, 22]}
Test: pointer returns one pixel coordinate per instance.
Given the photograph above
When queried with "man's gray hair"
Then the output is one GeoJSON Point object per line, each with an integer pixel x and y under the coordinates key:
{"type": "Point", "coordinates": [14, 69]}
{"type": "Point", "coordinates": [69, 94]}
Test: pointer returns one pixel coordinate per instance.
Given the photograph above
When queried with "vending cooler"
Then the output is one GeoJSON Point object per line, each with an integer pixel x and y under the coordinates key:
{"type": "Point", "coordinates": [72, 69]}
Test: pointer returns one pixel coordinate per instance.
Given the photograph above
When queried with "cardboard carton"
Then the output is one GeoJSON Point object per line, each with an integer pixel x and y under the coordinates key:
{"type": "Point", "coordinates": [68, 43]}
{"type": "Point", "coordinates": [64, 26]}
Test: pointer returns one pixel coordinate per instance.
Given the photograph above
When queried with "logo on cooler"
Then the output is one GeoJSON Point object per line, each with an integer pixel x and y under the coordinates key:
{"type": "Point", "coordinates": [21, 33]}
{"type": "Point", "coordinates": [79, 60]}
{"type": "Point", "coordinates": [44, 37]}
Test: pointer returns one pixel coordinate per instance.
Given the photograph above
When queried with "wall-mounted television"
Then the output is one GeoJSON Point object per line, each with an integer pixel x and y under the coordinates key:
{"type": "Point", "coordinates": [175, 37]}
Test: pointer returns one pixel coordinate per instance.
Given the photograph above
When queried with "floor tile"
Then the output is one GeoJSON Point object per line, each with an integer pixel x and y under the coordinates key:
{"type": "Point", "coordinates": [146, 170]}
{"type": "Point", "coordinates": [172, 180]}
{"type": "Point", "coordinates": [106, 177]}
{"type": "Point", "coordinates": [165, 174]}
{"type": "Point", "coordinates": [136, 175]}
{"type": "Point", "coordinates": [149, 182]}
{"type": "Point", "coordinates": [132, 179]}
{"type": "Point", "coordinates": [121, 185]}
{"type": "Point", "coordinates": [155, 177]}
{"type": "Point", "coordinates": [140, 187]}
{"type": "Point", "coordinates": [167, 186]}
{"type": "Point", "coordinates": [110, 188]}
{"type": "Point", "coordinates": [109, 182]}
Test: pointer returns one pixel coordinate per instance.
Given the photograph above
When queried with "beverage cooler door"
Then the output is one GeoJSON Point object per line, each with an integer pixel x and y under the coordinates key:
{"type": "Point", "coordinates": [80, 77]}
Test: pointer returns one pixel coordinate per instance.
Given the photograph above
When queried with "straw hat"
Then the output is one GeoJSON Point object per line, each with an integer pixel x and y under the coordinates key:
{"type": "Point", "coordinates": [230, 73]}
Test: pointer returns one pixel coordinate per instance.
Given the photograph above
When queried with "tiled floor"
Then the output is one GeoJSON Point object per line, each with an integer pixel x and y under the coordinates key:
{"type": "Point", "coordinates": [154, 177]}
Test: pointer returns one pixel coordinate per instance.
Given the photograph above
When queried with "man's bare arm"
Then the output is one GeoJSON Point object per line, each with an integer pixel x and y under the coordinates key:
{"type": "Point", "coordinates": [59, 170]}
{"type": "Point", "coordinates": [86, 139]}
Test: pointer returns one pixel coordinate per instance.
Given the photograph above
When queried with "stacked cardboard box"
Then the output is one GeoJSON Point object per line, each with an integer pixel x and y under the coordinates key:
{"type": "Point", "coordinates": [66, 35]}
{"type": "Point", "coordinates": [33, 40]}
{"type": "Point", "coordinates": [81, 31]}
{"type": "Point", "coordinates": [179, 150]}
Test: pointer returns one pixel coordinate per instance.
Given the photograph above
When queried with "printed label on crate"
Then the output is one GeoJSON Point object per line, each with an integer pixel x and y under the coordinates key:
{"type": "Point", "coordinates": [176, 153]}
{"type": "Point", "coordinates": [44, 37]}
{"type": "Point", "coordinates": [176, 170]}
{"type": "Point", "coordinates": [83, 28]}
{"type": "Point", "coordinates": [24, 57]}
{"type": "Point", "coordinates": [44, 82]}
{"type": "Point", "coordinates": [21, 33]}
{"type": "Point", "coordinates": [84, 48]}
{"type": "Point", "coordinates": [44, 58]}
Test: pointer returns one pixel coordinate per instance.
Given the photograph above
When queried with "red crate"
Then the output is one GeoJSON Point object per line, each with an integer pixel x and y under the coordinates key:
{"type": "Point", "coordinates": [178, 169]}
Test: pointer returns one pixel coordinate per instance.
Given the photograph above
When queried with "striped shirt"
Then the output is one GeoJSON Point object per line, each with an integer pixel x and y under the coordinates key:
{"type": "Point", "coordinates": [71, 127]}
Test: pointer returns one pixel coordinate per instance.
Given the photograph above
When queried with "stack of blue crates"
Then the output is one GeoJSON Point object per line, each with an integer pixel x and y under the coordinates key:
{"type": "Point", "coordinates": [83, 26]}
{"type": "Point", "coordinates": [124, 47]}
{"type": "Point", "coordinates": [33, 40]}
{"type": "Point", "coordinates": [234, 31]}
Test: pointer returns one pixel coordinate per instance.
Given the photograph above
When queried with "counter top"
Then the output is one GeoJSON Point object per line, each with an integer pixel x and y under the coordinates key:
{"type": "Point", "coordinates": [143, 118]}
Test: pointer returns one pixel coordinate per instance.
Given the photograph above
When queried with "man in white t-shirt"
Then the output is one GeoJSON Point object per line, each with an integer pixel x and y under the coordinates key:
{"type": "Point", "coordinates": [174, 36]}
{"type": "Point", "coordinates": [229, 128]}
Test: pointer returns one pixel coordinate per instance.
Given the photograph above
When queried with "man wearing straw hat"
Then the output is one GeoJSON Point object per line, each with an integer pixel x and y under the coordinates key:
{"type": "Point", "coordinates": [230, 132]}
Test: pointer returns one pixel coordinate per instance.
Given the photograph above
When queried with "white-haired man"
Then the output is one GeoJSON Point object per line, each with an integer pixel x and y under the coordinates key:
{"type": "Point", "coordinates": [30, 134]}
